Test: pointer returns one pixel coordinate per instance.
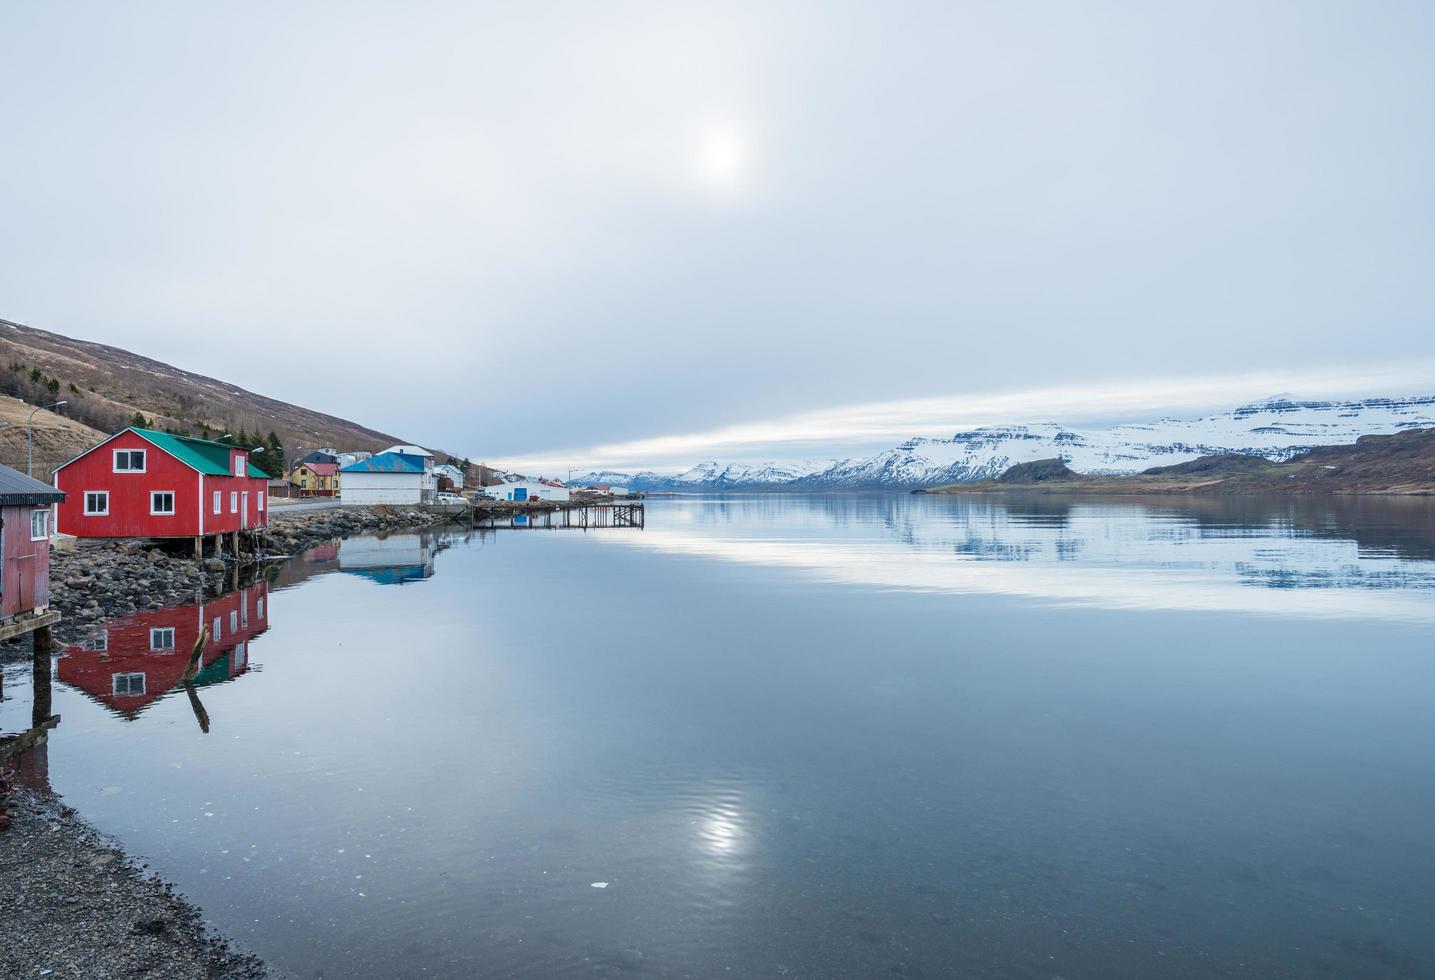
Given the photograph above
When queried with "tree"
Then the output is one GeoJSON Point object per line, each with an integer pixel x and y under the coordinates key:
{"type": "Point", "coordinates": [53, 386]}
{"type": "Point", "coordinates": [139, 421]}
{"type": "Point", "coordinates": [275, 454]}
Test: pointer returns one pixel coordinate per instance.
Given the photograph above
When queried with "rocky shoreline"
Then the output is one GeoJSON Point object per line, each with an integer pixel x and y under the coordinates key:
{"type": "Point", "coordinates": [96, 581]}
{"type": "Point", "coordinates": [73, 905]}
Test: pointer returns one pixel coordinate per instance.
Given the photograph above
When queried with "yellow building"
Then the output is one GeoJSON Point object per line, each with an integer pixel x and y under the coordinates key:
{"type": "Point", "coordinates": [316, 479]}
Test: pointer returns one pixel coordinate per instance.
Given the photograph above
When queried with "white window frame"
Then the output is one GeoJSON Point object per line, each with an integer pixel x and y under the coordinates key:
{"type": "Point", "coordinates": [234, 501]}
{"type": "Point", "coordinates": [259, 607]}
{"type": "Point", "coordinates": [162, 513]}
{"type": "Point", "coordinates": [44, 514]}
{"type": "Point", "coordinates": [240, 469]}
{"type": "Point", "coordinates": [218, 634]}
{"type": "Point", "coordinates": [161, 631]}
{"type": "Point", "coordinates": [115, 461]}
{"type": "Point", "coordinates": [96, 642]}
{"type": "Point", "coordinates": [234, 620]}
{"type": "Point", "coordinates": [259, 499]}
{"type": "Point", "coordinates": [219, 501]}
{"type": "Point", "coordinates": [97, 513]}
{"type": "Point", "coordinates": [128, 677]}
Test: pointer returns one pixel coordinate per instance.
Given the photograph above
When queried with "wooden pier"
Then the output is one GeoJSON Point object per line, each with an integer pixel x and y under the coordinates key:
{"type": "Point", "coordinates": [585, 515]}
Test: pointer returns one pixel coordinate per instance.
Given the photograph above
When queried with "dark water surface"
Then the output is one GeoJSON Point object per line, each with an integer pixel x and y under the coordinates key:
{"type": "Point", "coordinates": [801, 737]}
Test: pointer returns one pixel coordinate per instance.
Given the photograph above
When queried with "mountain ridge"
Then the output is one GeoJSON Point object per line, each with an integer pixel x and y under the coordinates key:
{"type": "Point", "coordinates": [1274, 428]}
{"type": "Point", "coordinates": [1396, 463]}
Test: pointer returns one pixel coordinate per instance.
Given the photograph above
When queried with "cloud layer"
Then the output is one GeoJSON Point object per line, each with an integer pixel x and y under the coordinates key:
{"type": "Point", "coordinates": [499, 228]}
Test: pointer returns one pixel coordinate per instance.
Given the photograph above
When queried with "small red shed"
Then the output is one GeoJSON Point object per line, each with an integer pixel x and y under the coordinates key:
{"type": "Point", "coordinates": [24, 543]}
{"type": "Point", "coordinates": [140, 483]}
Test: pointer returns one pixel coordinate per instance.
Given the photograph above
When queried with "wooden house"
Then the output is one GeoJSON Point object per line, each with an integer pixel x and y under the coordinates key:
{"type": "Point", "coordinates": [24, 547]}
{"type": "Point", "coordinates": [140, 483]}
{"type": "Point", "coordinates": [316, 479]}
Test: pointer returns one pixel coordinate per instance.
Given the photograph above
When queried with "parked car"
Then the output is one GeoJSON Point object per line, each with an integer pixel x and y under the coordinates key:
{"type": "Point", "coordinates": [450, 498]}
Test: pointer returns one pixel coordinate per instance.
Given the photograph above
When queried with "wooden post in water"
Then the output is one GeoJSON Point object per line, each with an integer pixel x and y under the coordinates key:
{"type": "Point", "coordinates": [41, 640]}
{"type": "Point", "coordinates": [190, 669]}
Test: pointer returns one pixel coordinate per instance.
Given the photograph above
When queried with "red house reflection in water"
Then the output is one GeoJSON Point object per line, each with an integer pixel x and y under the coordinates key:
{"type": "Point", "coordinates": [128, 664]}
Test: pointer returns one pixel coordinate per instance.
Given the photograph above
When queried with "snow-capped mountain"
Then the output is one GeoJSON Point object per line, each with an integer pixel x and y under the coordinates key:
{"type": "Point", "coordinates": [1276, 428]}
{"type": "Point", "coordinates": [714, 474]}
{"type": "Point", "coordinates": [709, 475]}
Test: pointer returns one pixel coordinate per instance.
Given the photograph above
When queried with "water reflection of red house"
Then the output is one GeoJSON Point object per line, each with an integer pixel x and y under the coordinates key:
{"type": "Point", "coordinates": [128, 664]}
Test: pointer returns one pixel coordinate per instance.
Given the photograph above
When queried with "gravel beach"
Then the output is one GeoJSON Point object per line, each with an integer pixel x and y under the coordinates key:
{"type": "Point", "coordinates": [73, 905]}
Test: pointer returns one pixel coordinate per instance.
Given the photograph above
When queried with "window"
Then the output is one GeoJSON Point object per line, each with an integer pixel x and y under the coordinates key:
{"type": "Point", "coordinates": [215, 634]}
{"type": "Point", "coordinates": [161, 502]}
{"type": "Point", "coordinates": [218, 501]}
{"type": "Point", "coordinates": [239, 468]}
{"type": "Point", "coordinates": [129, 460]}
{"type": "Point", "coordinates": [161, 640]}
{"type": "Point", "coordinates": [234, 501]}
{"type": "Point", "coordinates": [39, 525]}
{"type": "Point", "coordinates": [259, 501]}
{"type": "Point", "coordinates": [97, 503]}
{"type": "Point", "coordinates": [233, 620]}
{"type": "Point", "coordinates": [259, 607]}
{"type": "Point", "coordinates": [241, 655]}
{"type": "Point", "coordinates": [98, 642]}
{"type": "Point", "coordinates": [127, 685]}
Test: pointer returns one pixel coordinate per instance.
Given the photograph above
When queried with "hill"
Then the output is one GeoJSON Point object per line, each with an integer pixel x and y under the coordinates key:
{"type": "Point", "coordinates": [106, 386]}
{"type": "Point", "coordinates": [1402, 463]}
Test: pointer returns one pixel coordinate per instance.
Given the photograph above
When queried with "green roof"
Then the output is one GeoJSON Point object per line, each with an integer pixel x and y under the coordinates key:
{"type": "Point", "coordinates": [204, 455]}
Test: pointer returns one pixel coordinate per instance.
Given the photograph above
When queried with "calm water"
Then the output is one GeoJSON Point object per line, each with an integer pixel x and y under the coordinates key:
{"type": "Point", "coordinates": [844, 736]}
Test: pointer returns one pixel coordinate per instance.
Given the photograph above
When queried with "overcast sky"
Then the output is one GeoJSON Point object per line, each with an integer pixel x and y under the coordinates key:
{"type": "Point", "coordinates": [573, 232]}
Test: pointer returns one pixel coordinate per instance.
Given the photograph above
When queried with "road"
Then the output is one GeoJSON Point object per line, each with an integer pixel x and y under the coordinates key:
{"type": "Point", "coordinates": [294, 507]}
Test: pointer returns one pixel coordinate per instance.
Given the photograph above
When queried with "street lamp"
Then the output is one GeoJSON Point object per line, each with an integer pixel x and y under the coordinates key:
{"type": "Point", "coordinates": [30, 437]}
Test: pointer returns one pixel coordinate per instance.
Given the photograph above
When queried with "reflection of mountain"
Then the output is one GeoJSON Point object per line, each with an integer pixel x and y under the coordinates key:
{"type": "Point", "coordinates": [391, 560]}
{"type": "Point", "coordinates": [128, 664]}
{"type": "Point", "coordinates": [1378, 526]}
{"type": "Point", "coordinates": [1336, 556]}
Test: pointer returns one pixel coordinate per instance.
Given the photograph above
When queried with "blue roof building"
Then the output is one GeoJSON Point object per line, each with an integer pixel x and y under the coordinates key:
{"type": "Point", "coordinates": [390, 478]}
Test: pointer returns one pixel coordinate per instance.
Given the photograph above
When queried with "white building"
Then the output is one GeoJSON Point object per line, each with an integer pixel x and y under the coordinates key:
{"type": "Point", "coordinates": [606, 490]}
{"type": "Point", "coordinates": [527, 490]}
{"type": "Point", "coordinates": [348, 459]}
{"type": "Point", "coordinates": [388, 478]}
{"type": "Point", "coordinates": [451, 472]}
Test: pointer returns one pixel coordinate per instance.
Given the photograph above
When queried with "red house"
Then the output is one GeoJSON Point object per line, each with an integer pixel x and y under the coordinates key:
{"type": "Point", "coordinates": [24, 543]}
{"type": "Point", "coordinates": [140, 483]}
{"type": "Point", "coordinates": [128, 664]}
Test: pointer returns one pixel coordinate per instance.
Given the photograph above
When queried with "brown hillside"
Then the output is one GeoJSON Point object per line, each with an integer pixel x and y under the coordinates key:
{"type": "Point", "coordinates": [57, 438]}
{"type": "Point", "coordinates": [106, 386]}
